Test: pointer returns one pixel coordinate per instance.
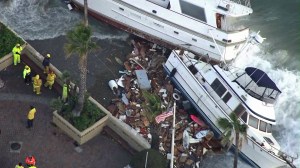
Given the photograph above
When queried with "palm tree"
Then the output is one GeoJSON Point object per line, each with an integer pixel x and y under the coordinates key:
{"type": "Point", "coordinates": [79, 42]}
{"type": "Point", "coordinates": [230, 126]}
{"type": "Point", "coordinates": [86, 22]}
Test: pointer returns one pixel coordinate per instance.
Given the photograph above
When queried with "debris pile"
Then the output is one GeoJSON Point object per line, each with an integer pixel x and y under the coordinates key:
{"type": "Point", "coordinates": [144, 100]}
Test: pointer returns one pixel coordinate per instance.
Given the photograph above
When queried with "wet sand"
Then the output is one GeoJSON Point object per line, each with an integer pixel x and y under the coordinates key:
{"type": "Point", "coordinates": [102, 65]}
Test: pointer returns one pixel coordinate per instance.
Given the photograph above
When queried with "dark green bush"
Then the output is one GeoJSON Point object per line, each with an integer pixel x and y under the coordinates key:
{"type": "Point", "coordinates": [7, 40]}
{"type": "Point", "coordinates": [89, 115]}
{"type": "Point", "coordinates": [155, 159]}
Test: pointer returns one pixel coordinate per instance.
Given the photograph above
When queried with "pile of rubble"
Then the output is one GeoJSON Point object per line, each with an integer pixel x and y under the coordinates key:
{"type": "Point", "coordinates": [144, 100]}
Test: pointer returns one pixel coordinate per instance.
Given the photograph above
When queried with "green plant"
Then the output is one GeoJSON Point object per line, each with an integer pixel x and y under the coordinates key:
{"type": "Point", "coordinates": [233, 126]}
{"type": "Point", "coordinates": [90, 113]}
{"type": "Point", "coordinates": [8, 40]}
{"type": "Point", "coordinates": [65, 76]}
{"type": "Point", "coordinates": [152, 105]}
{"type": "Point", "coordinates": [80, 43]}
{"type": "Point", "coordinates": [154, 159]}
{"type": "Point", "coordinates": [56, 104]}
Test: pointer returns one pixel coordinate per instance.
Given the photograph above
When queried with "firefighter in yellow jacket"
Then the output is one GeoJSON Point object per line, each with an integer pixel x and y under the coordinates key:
{"type": "Point", "coordinates": [37, 83]}
{"type": "Point", "coordinates": [50, 79]}
{"type": "Point", "coordinates": [17, 53]}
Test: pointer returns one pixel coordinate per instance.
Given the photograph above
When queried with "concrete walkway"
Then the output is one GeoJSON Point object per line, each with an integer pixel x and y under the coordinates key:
{"type": "Point", "coordinates": [47, 143]}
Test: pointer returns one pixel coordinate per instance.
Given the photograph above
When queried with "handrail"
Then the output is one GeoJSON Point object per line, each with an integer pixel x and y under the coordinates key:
{"type": "Point", "coordinates": [274, 151]}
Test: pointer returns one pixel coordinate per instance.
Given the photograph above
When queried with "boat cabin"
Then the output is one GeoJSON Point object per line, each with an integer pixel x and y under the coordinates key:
{"type": "Point", "coordinates": [258, 85]}
{"type": "Point", "coordinates": [221, 14]}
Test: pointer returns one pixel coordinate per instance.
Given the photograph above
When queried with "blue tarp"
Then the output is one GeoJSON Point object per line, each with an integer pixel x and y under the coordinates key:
{"type": "Point", "coordinates": [261, 78]}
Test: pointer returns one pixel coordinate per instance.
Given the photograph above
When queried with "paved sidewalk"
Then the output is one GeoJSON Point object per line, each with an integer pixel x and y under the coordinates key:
{"type": "Point", "coordinates": [51, 147]}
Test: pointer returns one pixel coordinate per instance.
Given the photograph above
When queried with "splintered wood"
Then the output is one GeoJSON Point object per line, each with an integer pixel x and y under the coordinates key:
{"type": "Point", "coordinates": [142, 109]}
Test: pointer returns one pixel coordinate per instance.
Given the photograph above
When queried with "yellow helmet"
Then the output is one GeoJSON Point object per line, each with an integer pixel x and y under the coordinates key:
{"type": "Point", "coordinates": [18, 45]}
{"type": "Point", "coordinates": [48, 55]}
{"type": "Point", "coordinates": [26, 66]}
{"type": "Point", "coordinates": [37, 76]}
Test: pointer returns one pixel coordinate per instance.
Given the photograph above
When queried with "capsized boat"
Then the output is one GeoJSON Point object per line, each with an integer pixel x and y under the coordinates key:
{"type": "Point", "coordinates": [216, 91]}
{"type": "Point", "coordinates": [205, 27]}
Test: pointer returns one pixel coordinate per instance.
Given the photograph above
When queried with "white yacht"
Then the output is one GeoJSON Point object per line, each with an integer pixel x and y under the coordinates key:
{"type": "Point", "coordinates": [217, 91]}
{"type": "Point", "coordinates": [204, 27]}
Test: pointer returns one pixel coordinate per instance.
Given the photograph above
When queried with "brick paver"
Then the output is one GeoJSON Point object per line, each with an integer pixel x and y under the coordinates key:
{"type": "Point", "coordinates": [52, 148]}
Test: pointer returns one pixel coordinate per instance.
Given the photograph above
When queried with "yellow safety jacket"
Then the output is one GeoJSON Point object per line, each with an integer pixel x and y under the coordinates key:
{"type": "Point", "coordinates": [37, 82]}
{"type": "Point", "coordinates": [17, 50]}
{"type": "Point", "coordinates": [65, 91]}
{"type": "Point", "coordinates": [51, 77]}
{"type": "Point", "coordinates": [31, 113]}
{"type": "Point", "coordinates": [17, 166]}
{"type": "Point", "coordinates": [25, 72]}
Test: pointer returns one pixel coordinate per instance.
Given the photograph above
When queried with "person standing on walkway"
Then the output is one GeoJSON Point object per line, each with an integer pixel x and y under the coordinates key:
{"type": "Point", "coordinates": [27, 75]}
{"type": "Point", "coordinates": [50, 79]}
{"type": "Point", "coordinates": [30, 161]}
{"type": "Point", "coordinates": [46, 63]}
{"type": "Point", "coordinates": [17, 53]}
{"type": "Point", "coordinates": [65, 93]}
{"type": "Point", "coordinates": [37, 83]}
{"type": "Point", "coordinates": [30, 117]}
{"type": "Point", "coordinates": [19, 165]}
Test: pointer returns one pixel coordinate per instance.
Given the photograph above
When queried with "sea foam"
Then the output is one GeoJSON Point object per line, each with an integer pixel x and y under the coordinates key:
{"type": "Point", "coordinates": [287, 109]}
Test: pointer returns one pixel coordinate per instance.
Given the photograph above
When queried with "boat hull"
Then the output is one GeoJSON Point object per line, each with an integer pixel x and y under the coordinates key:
{"type": "Point", "coordinates": [173, 36]}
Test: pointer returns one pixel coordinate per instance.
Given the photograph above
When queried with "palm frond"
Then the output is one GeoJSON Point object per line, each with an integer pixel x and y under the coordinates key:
{"type": "Point", "coordinates": [225, 123]}
{"type": "Point", "coordinates": [79, 41]}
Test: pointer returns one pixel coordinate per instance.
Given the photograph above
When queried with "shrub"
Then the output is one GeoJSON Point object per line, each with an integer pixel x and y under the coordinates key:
{"type": "Point", "coordinates": [8, 40]}
{"type": "Point", "coordinates": [152, 105]}
{"type": "Point", "coordinates": [90, 113]}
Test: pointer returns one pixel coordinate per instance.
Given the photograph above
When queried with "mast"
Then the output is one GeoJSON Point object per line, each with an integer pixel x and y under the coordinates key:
{"type": "Point", "coordinates": [173, 136]}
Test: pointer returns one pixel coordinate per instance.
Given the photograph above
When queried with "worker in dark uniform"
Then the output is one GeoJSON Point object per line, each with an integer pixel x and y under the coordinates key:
{"type": "Point", "coordinates": [46, 63]}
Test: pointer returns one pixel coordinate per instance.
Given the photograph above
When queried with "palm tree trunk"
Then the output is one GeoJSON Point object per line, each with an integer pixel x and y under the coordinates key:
{"type": "Point", "coordinates": [236, 154]}
{"type": "Point", "coordinates": [82, 84]}
{"type": "Point", "coordinates": [86, 22]}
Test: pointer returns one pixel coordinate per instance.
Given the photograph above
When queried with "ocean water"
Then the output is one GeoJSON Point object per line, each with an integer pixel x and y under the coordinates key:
{"type": "Point", "coordinates": [277, 20]}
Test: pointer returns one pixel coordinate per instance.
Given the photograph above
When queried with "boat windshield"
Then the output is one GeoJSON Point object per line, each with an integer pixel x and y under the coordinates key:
{"type": "Point", "coordinates": [258, 85]}
{"type": "Point", "coordinates": [232, 24]}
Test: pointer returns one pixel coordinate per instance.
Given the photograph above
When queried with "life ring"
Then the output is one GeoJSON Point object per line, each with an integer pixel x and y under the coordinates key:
{"type": "Point", "coordinates": [176, 96]}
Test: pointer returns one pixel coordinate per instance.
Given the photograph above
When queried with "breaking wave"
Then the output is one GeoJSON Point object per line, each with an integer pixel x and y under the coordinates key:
{"type": "Point", "coordinates": [46, 19]}
{"type": "Point", "coordinates": [287, 107]}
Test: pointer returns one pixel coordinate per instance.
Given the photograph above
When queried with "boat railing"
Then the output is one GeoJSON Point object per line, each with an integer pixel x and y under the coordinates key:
{"type": "Point", "coordinates": [242, 2]}
{"type": "Point", "coordinates": [274, 151]}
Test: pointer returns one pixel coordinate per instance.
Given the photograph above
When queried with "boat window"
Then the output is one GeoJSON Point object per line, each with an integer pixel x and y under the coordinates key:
{"type": "Point", "coordinates": [193, 10]}
{"type": "Point", "coordinates": [269, 128]}
{"type": "Point", "coordinates": [193, 69]}
{"type": "Point", "coordinates": [218, 87]}
{"type": "Point", "coordinates": [226, 97]}
{"type": "Point", "coordinates": [245, 117]}
{"type": "Point", "coordinates": [239, 110]}
{"type": "Point", "coordinates": [253, 122]}
{"type": "Point", "coordinates": [269, 140]}
{"type": "Point", "coordinates": [262, 126]}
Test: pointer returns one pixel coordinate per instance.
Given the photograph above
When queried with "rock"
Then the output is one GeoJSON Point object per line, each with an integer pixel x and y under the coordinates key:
{"type": "Point", "coordinates": [189, 162]}
{"type": "Point", "coordinates": [183, 158]}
